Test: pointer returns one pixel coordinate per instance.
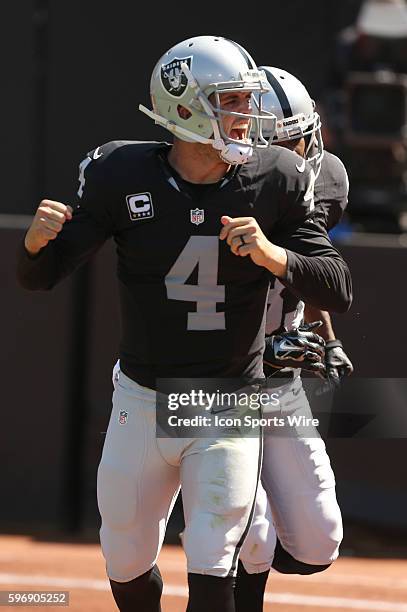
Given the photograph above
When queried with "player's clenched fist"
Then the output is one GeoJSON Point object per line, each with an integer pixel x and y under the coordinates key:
{"type": "Point", "coordinates": [244, 236]}
{"type": "Point", "coordinates": [47, 223]}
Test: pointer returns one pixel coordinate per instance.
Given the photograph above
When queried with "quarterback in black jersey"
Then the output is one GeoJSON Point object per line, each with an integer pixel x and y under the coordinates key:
{"type": "Point", "coordinates": [200, 226]}
{"type": "Point", "coordinates": [297, 524]}
{"type": "Point", "coordinates": [127, 190]}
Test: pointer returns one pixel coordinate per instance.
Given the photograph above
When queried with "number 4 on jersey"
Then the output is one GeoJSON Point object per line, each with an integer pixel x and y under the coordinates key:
{"type": "Point", "coordinates": [201, 251]}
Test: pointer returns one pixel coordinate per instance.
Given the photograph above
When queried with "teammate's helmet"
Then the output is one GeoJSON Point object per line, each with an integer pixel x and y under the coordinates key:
{"type": "Point", "coordinates": [188, 74]}
{"type": "Point", "coordinates": [295, 111]}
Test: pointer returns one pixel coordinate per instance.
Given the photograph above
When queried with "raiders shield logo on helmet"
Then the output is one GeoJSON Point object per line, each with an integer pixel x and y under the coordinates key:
{"type": "Point", "coordinates": [172, 77]}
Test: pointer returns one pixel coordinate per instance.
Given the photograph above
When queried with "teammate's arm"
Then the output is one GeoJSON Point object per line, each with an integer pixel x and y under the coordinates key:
{"type": "Point", "coordinates": [296, 348]}
{"type": "Point", "coordinates": [337, 363]}
{"type": "Point", "coordinates": [316, 314]}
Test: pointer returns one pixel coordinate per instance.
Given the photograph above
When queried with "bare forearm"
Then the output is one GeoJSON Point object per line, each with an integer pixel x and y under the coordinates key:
{"type": "Point", "coordinates": [315, 314]}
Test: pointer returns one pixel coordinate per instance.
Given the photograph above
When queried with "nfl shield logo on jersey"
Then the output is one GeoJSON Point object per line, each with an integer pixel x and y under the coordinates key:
{"type": "Point", "coordinates": [123, 417]}
{"type": "Point", "coordinates": [197, 216]}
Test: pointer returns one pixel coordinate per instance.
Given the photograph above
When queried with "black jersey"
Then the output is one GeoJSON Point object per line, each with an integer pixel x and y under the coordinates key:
{"type": "Point", "coordinates": [331, 191]}
{"type": "Point", "coordinates": [189, 307]}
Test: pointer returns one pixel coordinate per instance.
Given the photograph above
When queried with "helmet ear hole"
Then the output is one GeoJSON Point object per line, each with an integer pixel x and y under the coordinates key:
{"type": "Point", "coordinates": [183, 112]}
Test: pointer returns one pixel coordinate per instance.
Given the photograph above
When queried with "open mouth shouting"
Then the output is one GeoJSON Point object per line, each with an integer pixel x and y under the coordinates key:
{"type": "Point", "coordinates": [240, 132]}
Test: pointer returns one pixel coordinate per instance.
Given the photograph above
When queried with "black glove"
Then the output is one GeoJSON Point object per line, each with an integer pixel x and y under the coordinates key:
{"type": "Point", "coordinates": [337, 363]}
{"type": "Point", "coordinates": [299, 348]}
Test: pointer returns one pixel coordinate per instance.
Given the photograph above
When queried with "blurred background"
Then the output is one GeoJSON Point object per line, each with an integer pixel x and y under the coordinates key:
{"type": "Point", "coordinates": [73, 74]}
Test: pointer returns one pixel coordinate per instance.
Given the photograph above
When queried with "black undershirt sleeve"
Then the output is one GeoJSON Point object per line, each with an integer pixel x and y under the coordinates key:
{"type": "Point", "coordinates": [91, 225]}
{"type": "Point", "coordinates": [316, 272]}
{"type": "Point", "coordinates": [78, 241]}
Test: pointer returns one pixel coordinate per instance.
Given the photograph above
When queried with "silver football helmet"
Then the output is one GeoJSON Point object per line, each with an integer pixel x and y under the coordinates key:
{"type": "Point", "coordinates": [188, 74]}
{"type": "Point", "coordinates": [295, 111]}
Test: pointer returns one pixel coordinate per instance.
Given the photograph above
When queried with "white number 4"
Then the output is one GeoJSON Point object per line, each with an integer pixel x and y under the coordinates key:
{"type": "Point", "coordinates": [201, 251]}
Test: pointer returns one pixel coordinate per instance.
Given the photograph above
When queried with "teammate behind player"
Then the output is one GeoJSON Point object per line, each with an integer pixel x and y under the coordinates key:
{"type": "Point", "coordinates": [295, 111]}
{"type": "Point", "coordinates": [296, 472]}
{"type": "Point", "coordinates": [251, 223]}
{"type": "Point", "coordinates": [298, 128]}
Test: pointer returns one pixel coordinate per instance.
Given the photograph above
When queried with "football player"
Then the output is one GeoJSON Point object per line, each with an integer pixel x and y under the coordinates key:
{"type": "Point", "coordinates": [200, 226]}
{"type": "Point", "coordinates": [297, 526]}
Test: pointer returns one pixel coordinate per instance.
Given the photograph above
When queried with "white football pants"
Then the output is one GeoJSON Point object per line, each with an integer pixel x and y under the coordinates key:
{"type": "Point", "coordinates": [139, 477]}
{"type": "Point", "coordinates": [299, 485]}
